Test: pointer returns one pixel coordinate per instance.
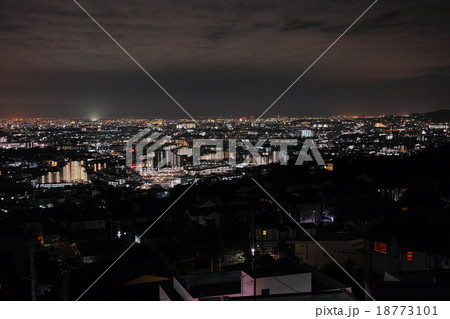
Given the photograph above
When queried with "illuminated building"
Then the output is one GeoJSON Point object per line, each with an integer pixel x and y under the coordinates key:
{"type": "Point", "coordinates": [72, 172]}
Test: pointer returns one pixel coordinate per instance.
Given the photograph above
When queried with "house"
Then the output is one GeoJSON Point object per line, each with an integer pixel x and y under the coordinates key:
{"type": "Point", "coordinates": [396, 254]}
{"type": "Point", "coordinates": [299, 282]}
{"type": "Point", "coordinates": [93, 251]}
{"type": "Point", "coordinates": [412, 285]}
{"type": "Point", "coordinates": [205, 216]}
{"type": "Point", "coordinates": [310, 213]}
{"type": "Point", "coordinates": [346, 248]}
{"type": "Point", "coordinates": [269, 239]}
{"type": "Point", "coordinates": [96, 224]}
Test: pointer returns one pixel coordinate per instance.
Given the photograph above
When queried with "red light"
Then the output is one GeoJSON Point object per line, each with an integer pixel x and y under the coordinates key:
{"type": "Point", "coordinates": [409, 256]}
{"type": "Point", "coordinates": [133, 166]}
{"type": "Point", "coordinates": [133, 150]}
{"type": "Point", "coordinates": [380, 247]}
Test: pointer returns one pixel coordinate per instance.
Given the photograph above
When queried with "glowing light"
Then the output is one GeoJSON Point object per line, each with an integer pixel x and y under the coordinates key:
{"type": "Point", "coordinates": [380, 247]}
{"type": "Point", "coordinates": [409, 256]}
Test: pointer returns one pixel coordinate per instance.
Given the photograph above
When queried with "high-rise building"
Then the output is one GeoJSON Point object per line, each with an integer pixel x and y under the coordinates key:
{"type": "Point", "coordinates": [73, 171]}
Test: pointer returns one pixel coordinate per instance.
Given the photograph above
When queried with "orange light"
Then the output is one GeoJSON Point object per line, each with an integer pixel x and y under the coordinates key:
{"type": "Point", "coordinates": [409, 256]}
{"type": "Point", "coordinates": [264, 232]}
{"type": "Point", "coordinates": [380, 247]}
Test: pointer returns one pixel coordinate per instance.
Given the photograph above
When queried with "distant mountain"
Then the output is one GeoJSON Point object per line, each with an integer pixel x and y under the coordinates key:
{"type": "Point", "coordinates": [436, 116]}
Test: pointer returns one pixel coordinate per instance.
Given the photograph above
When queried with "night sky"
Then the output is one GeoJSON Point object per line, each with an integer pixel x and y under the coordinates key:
{"type": "Point", "coordinates": [222, 58]}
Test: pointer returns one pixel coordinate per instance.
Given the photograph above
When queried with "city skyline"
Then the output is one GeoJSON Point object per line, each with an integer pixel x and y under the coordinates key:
{"type": "Point", "coordinates": [215, 117]}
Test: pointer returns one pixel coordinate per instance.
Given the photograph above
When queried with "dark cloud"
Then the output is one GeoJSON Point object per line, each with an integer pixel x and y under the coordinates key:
{"type": "Point", "coordinates": [296, 24]}
{"type": "Point", "coordinates": [219, 55]}
{"type": "Point", "coordinates": [445, 70]}
{"type": "Point", "coordinates": [10, 28]}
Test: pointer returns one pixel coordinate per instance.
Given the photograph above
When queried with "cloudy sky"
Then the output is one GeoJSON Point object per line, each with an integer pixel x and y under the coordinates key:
{"type": "Point", "coordinates": [222, 58]}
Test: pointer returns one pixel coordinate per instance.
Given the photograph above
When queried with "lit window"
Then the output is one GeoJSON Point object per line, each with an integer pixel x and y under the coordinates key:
{"type": "Point", "coordinates": [264, 232]}
{"type": "Point", "coordinates": [409, 256]}
{"type": "Point", "coordinates": [380, 247]}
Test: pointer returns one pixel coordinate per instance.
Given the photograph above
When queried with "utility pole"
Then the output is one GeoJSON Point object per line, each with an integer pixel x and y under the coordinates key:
{"type": "Point", "coordinates": [32, 273]}
{"type": "Point", "coordinates": [254, 286]}
{"type": "Point", "coordinates": [65, 270]}
{"type": "Point", "coordinates": [253, 251]}
{"type": "Point", "coordinates": [371, 247]}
